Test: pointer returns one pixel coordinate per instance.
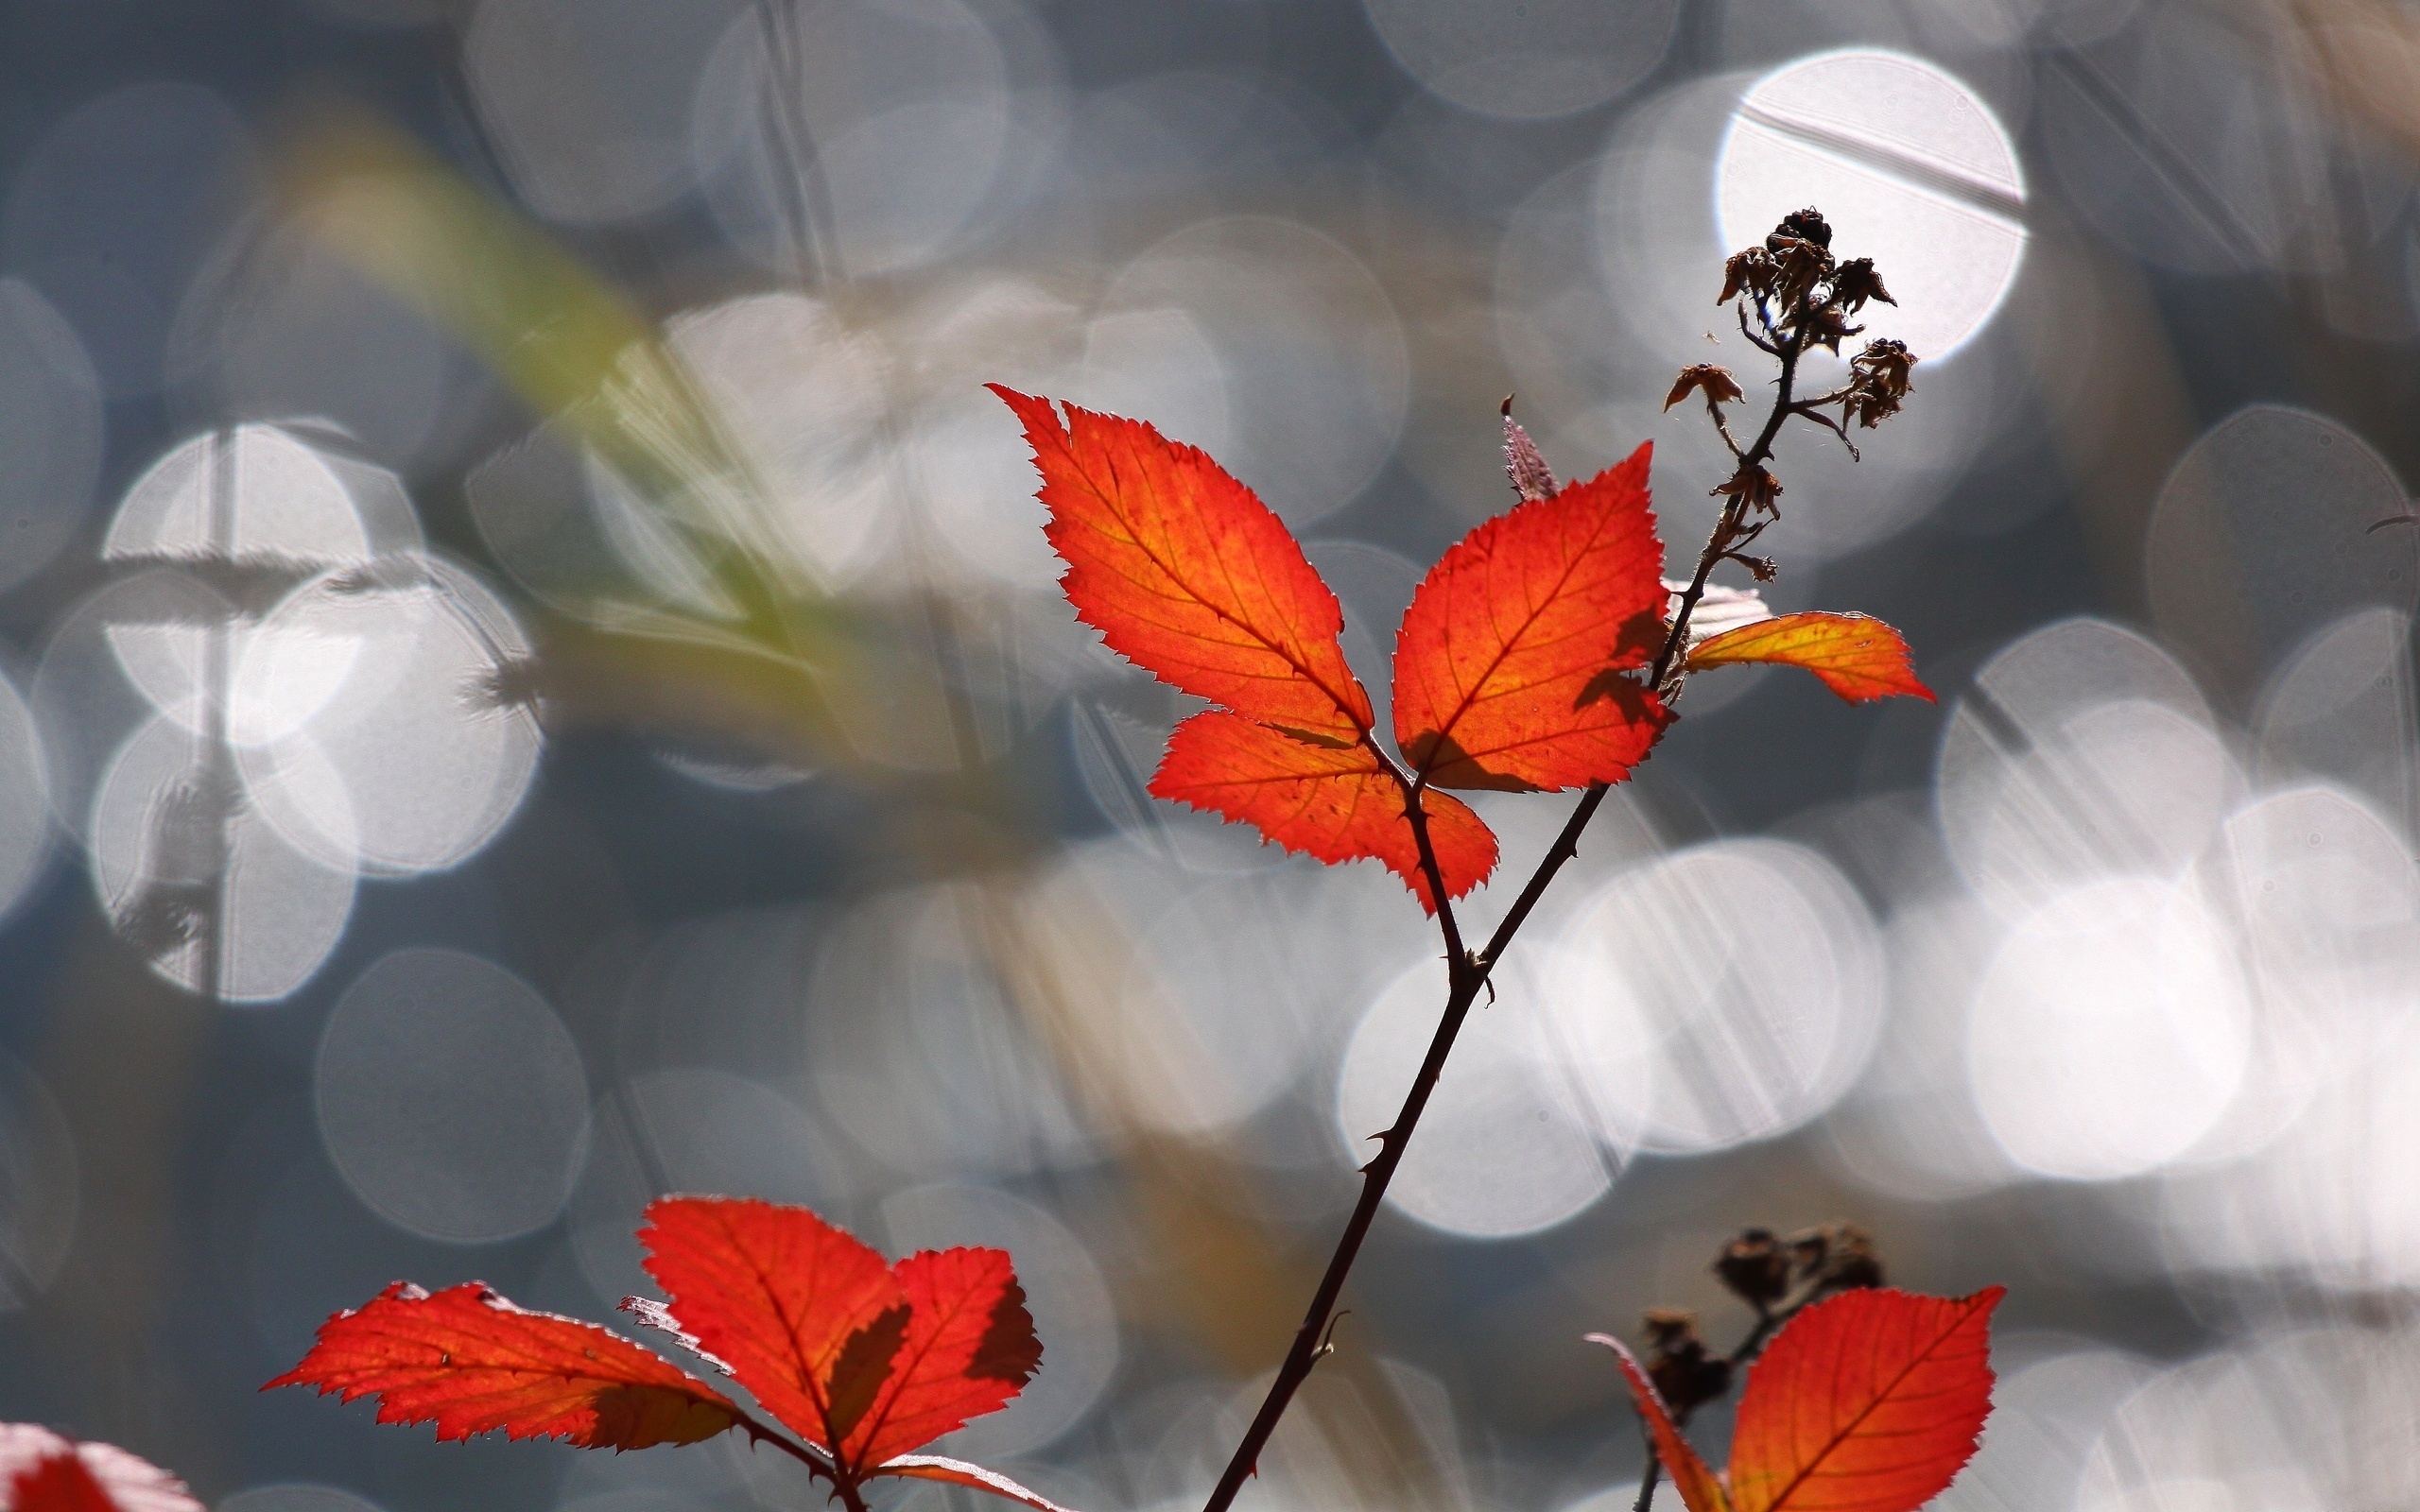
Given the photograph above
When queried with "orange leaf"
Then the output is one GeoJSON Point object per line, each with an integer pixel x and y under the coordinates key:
{"type": "Point", "coordinates": [1700, 1490]}
{"type": "Point", "coordinates": [958, 1472]}
{"type": "Point", "coordinates": [1858, 656]}
{"type": "Point", "coordinates": [1508, 666]}
{"type": "Point", "coordinates": [471, 1362]}
{"type": "Point", "coordinates": [775, 1295]}
{"type": "Point", "coordinates": [41, 1471]}
{"type": "Point", "coordinates": [1868, 1402]}
{"type": "Point", "coordinates": [969, 1347]}
{"type": "Point", "coordinates": [1333, 804]}
{"type": "Point", "coordinates": [1183, 570]}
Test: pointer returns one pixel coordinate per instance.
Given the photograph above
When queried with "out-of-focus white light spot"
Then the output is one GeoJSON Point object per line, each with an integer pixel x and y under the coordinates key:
{"type": "Point", "coordinates": [928, 977]}
{"type": "Point", "coordinates": [590, 102]}
{"type": "Point", "coordinates": [1910, 168]}
{"type": "Point", "coordinates": [2329, 909]}
{"type": "Point", "coordinates": [1503, 1148]}
{"type": "Point", "coordinates": [2083, 752]}
{"type": "Point", "coordinates": [2045, 1419]}
{"type": "Point", "coordinates": [451, 1098]}
{"type": "Point", "coordinates": [2261, 539]}
{"type": "Point", "coordinates": [885, 122]}
{"type": "Point", "coordinates": [2325, 908]}
{"type": "Point", "coordinates": [412, 761]}
{"type": "Point", "coordinates": [50, 431]}
{"type": "Point", "coordinates": [1530, 61]}
{"type": "Point", "coordinates": [24, 798]}
{"type": "Point", "coordinates": [2336, 1197]}
{"type": "Point", "coordinates": [39, 1190]}
{"type": "Point", "coordinates": [2306, 1418]}
{"type": "Point", "coordinates": [692, 1130]}
{"type": "Point", "coordinates": [2110, 1033]}
{"type": "Point", "coordinates": [199, 884]}
{"type": "Point", "coordinates": [803, 396]}
{"type": "Point", "coordinates": [1910, 1128]}
{"type": "Point", "coordinates": [1072, 1309]}
{"type": "Point", "coordinates": [1724, 993]}
{"type": "Point", "coordinates": [263, 492]}
{"type": "Point", "coordinates": [2344, 709]}
{"type": "Point", "coordinates": [1317, 372]}
{"type": "Point", "coordinates": [966, 448]}
{"type": "Point", "coordinates": [1238, 984]}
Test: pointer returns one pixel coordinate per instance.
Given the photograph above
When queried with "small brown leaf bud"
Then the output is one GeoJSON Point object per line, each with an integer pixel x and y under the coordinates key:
{"type": "Point", "coordinates": [1720, 387]}
{"type": "Point", "coordinates": [1523, 462]}
{"type": "Point", "coordinates": [1755, 1268]}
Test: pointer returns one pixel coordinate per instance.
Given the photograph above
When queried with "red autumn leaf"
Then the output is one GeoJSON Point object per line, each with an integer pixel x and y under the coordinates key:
{"type": "Point", "coordinates": [958, 1472]}
{"type": "Point", "coordinates": [470, 1362]}
{"type": "Point", "coordinates": [1185, 571]}
{"type": "Point", "coordinates": [969, 1347]}
{"type": "Point", "coordinates": [1858, 656]}
{"type": "Point", "coordinates": [1333, 804]}
{"type": "Point", "coordinates": [1700, 1490]}
{"type": "Point", "coordinates": [1508, 668]}
{"type": "Point", "coordinates": [42, 1471]}
{"type": "Point", "coordinates": [775, 1296]}
{"type": "Point", "coordinates": [1868, 1402]}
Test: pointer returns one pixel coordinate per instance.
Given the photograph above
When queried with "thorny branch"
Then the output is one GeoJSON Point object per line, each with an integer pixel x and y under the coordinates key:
{"type": "Point", "coordinates": [1798, 298]}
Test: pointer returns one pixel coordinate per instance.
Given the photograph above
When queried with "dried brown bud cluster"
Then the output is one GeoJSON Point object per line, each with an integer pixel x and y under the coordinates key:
{"type": "Point", "coordinates": [1792, 297]}
{"type": "Point", "coordinates": [1682, 1369]}
{"type": "Point", "coordinates": [1877, 383]}
{"type": "Point", "coordinates": [1770, 1274]}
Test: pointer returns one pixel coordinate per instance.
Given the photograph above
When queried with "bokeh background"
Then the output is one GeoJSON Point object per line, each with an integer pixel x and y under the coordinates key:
{"type": "Point", "coordinates": [529, 677]}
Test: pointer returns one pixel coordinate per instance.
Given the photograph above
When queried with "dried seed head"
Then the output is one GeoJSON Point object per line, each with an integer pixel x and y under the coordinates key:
{"type": "Point", "coordinates": [1755, 1268]}
{"type": "Point", "coordinates": [1720, 387]}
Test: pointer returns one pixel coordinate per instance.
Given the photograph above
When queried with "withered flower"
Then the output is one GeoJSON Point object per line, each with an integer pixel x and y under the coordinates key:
{"type": "Point", "coordinates": [1751, 271]}
{"type": "Point", "coordinates": [1754, 487]}
{"type": "Point", "coordinates": [1720, 387]}
{"type": "Point", "coordinates": [1885, 363]}
{"type": "Point", "coordinates": [1755, 1268]}
{"type": "Point", "coordinates": [1684, 1370]}
{"type": "Point", "coordinates": [1799, 266]}
{"type": "Point", "coordinates": [1806, 225]}
{"type": "Point", "coordinates": [1856, 282]}
{"type": "Point", "coordinates": [1877, 383]}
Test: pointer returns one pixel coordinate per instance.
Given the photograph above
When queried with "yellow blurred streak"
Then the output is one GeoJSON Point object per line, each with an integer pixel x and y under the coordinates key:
{"type": "Point", "coordinates": [574, 348]}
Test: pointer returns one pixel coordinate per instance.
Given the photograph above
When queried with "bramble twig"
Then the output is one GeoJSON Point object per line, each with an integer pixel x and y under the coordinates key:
{"type": "Point", "coordinates": [1796, 266]}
